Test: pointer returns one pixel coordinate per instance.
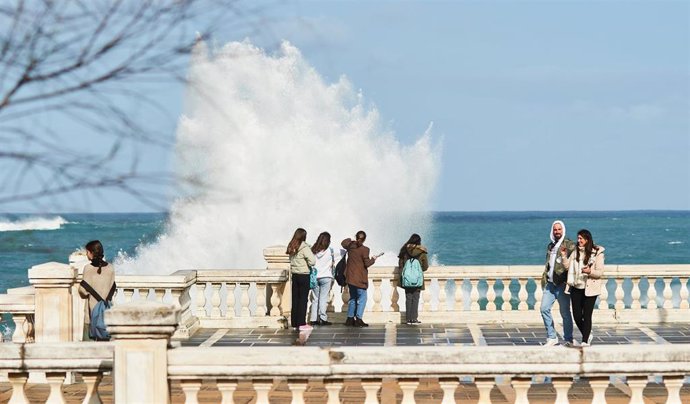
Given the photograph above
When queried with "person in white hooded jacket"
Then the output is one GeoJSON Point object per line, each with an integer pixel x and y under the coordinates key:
{"type": "Point", "coordinates": [326, 258]}
{"type": "Point", "coordinates": [586, 270]}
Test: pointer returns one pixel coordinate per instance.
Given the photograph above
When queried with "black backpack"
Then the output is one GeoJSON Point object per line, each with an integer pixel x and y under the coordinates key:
{"type": "Point", "coordinates": [340, 271]}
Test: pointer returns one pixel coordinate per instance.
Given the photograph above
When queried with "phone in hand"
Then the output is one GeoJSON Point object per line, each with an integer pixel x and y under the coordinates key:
{"type": "Point", "coordinates": [378, 255]}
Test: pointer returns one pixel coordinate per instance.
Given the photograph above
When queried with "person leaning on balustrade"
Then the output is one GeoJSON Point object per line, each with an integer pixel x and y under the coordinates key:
{"type": "Point", "coordinates": [301, 258]}
{"type": "Point", "coordinates": [357, 277]}
{"type": "Point", "coordinates": [553, 282]}
{"type": "Point", "coordinates": [99, 277]}
{"type": "Point", "coordinates": [585, 273]}
{"type": "Point", "coordinates": [413, 250]}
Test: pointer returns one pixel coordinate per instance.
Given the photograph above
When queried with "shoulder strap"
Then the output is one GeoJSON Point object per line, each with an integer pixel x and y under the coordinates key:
{"type": "Point", "coordinates": [332, 257]}
{"type": "Point", "coordinates": [91, 290]}
{"type": "Point", "coordinates": [113, 289]}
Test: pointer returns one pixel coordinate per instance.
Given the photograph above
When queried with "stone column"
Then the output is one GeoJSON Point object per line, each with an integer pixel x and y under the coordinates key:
{"type": "Point", "coordinates": [277, 259]}
{"type": "Point", "coordinates": [141, 331]}
{"type": "Point", "coordinates": [54, 302]}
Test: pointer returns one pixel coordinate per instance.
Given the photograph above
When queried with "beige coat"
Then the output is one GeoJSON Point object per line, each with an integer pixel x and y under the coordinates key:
{"type": "Point", "coordinates": [594, 280]}
{"type": "Point", "coordinates": [302, 260]}
{"type": "Point", "coordinates": [101, 283]}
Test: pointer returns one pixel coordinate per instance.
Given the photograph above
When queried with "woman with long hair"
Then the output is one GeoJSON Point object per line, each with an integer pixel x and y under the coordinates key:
{"type": "Point", "coordinates": [325, 263]}
{"type": "Point", "coordinates": [301, 258]}
{"type": "Point", "coordinates": [98, 277]}
{"type": "Point", "coordinates": [410, 251]}
{"type": "Point", "coordinates": [585, 273]}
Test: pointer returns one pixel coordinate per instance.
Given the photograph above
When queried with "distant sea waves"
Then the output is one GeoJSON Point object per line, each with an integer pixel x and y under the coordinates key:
{"type": "Point", "coordinates": [32, 223]}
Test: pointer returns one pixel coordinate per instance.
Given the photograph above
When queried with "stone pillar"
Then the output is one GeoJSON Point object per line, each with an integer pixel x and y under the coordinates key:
{"type": "Point", "coordinates": [277, 259]}
{"type": "Point", "coordinates": [54, 302]}
{"type": "Point", "coordinates": [141, 332]}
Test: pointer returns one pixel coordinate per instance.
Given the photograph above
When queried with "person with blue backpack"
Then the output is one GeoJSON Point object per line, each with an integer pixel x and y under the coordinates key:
{"type": "Point", "coordinates": [98, 286]}
{"type": "Point", "coordinates": [326, 258]}
{"type": "Point", "coordinates": [413, 262]}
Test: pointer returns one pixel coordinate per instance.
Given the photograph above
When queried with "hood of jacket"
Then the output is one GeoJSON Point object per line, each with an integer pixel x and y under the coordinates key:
{"type": "Point", "coordinates": [415, 250]}
{"type": "Point", "coordinates": [553, 240]}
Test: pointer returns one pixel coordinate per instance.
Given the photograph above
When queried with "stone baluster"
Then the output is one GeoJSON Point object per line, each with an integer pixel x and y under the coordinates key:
{"type": "Point", "coordinates": [160, 294]}
{"type": "Point", "coordinates": [522, 294]}
{"type": "Point", "coordinates": [261, 309]}
{"type": "Point", "coordinates": [92, 380]}
{"type": "Point", "coordinates": [275, 299]}
{"type": "Point", "coordinates": [395, 297]}
{"type": "Point", "coordinates": [371, 387]}
{"type": "Point", "coordinates": [506, 295]}
{"type": "Point", "coordinates": [333, 387]}
{"type": "Point", "coordinates": [673, 385]}
{"type": "Point", "coordinates": [651, 294]}
{"type": "Point", "coordinates": [637, 385]}
{"type": "Point", "coordinates": [55, 381]}
{"type": "Point", "coordinates": [346, 298]}
{"type": "Point", "coordinates": [191, 388]}
{"type": "Point", "coordinates": [230, 300]}
{"type": "Point", "coordinates": [562, 385]}
{"type": "Point", "coordinates": [620, 305]}
{"type": "Point", "coordinates": [297, 387]}
{"type": "Point", "coordinates": [377, 295]}
{"type": "Point", "coordinates": [408, 387]}
{"type": "Point", "coordinates": [23, 327]}
{"type": "Point", "coordinates": [484, 386]}
{"type": "Point", "coordinates": [474, 295]}
{"type": "Point", "coordinates": [635, 293]}
{"type": "Point", "coordinates": [521, 386]}
{"type": "Point", "coordinates": [442, 295]}
{"type": "Point", "coordinates": [458, 302]}
{"type": "Point", "coordinates": [604, 296]}
{"type": "Point", "coordinates": [141, 333]}
{"type": "Point", "coordinates": [262, 388]}
{"type": "Point", "coordinates": [227, 389]}
{"type": "Point", "coordinates": [599, 386]}
{"type": "Point", "coordinates": [18, 382]}
{"type": "Point", "coordinates": [684, 293]}
{"type": "Point", "coordinates": [425, 297]}
{"type": "Point", "coordinates": [668, 293]}
{"type": "Point", "coordinates": [538, 294]}
{"type": "Point", "coordinates": [448, 385]}
{"type": "Point", "coordinates": [277, 259]}
{"type": "Point", "coordinates": [53, 301]}
{"type": "Point", "coordinates": [244, 300]}
{"type": "Point", "coordinates": [490, 295]}
{"type": "Point", "coordinates": [215, 299]}
{"type": "Point", "coordinates": [128, 294]}
{"type": "Point", "coordinates": [201, 299]}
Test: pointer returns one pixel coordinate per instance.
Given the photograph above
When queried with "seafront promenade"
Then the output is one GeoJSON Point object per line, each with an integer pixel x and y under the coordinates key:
{"type": "Point", "coordinates": [220, 336]}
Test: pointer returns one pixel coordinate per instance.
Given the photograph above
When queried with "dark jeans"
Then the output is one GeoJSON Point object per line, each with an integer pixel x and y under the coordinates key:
{"type": "Point", "coordinates": [411, 304]}
{"type": "Point", "coordinates": [300, 296]}
{"type": "Point", "coordinates": [583, 307]}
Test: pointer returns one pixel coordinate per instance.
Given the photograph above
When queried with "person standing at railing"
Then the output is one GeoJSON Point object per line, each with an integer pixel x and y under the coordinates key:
{"type": "Point", "coordinates": [326, 257]}
{"type": "Point", "coordinates": [98, 283]}
{"type": "Point", "coordinates": [357, 277]}
{"type": "Point", "coordinates": [301, 258]}
{"type": "Point", "coordinates": [586, 269]}
{"type": "Point", "coordinates": [412, 251]}
{"type": "Point", "coordinates": [553, 283]}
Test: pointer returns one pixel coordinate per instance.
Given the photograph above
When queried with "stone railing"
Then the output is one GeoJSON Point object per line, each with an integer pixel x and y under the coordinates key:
{"type": "Point", "coordinates": [20, 303]}
{"type": "Point", "coordinates": [144, 366]}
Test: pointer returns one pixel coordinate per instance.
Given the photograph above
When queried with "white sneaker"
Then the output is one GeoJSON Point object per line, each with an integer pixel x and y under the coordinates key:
{"type": "Point", "coordinates": [569, 344]}
{"type": "Point", "coordinates": [589, 340]}
{"type": "Point", "coordinates": [551, 342]}
{"type": "Point", "coordinates": [584, 344]}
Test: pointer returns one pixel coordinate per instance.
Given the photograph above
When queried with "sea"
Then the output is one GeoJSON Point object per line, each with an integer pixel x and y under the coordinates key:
{"type": "Point", "coordinates": [454, 238]}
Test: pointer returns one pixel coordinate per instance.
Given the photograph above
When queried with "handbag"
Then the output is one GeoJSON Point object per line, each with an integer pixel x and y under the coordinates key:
{"type": "Point", "coordinates": [313, 282]}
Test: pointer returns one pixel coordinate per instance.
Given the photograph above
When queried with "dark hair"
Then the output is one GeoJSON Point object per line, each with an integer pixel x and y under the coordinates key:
{"type": "Point", "coordinates": [585, 234]}
{"type": "Point", "coordinates": [297, 239]}
{"type": "Point", "coordinates": [322, 242]}
{"type": "Point", "coordinates": [415, 239]}
{"type": "Point", "coordinates": [96, 249]}
{"type": "Point", "coordinates": [360, 237]}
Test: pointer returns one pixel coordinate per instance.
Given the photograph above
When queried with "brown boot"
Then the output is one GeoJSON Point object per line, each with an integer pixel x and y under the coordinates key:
{"type": "Point", "coordinates": [360, 323]}
{"type": "Point", "coordinates": [350, 322]}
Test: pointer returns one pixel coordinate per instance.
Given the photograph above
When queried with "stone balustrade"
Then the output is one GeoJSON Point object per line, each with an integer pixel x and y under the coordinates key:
{"type": "Point", "coordinates": [20, 303]}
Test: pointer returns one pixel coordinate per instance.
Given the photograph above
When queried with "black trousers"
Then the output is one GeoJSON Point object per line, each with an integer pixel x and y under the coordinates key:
{"type": "Point", "coordinates": [412, 304]}
{"type": "Point", "coordinates": [583, 307]}
{"type": "Point", "coordinates": [300, 296]}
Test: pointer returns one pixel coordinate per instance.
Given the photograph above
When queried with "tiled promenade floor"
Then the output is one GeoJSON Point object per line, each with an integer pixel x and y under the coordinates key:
{"type": "Point", "coordinates": [429, 390]}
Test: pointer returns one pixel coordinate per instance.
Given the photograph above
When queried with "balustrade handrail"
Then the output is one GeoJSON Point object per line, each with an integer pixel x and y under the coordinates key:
{"type": "Point", "coordinates": [57, 357]}
{"type": "Point", "coordinates": [425, 361]}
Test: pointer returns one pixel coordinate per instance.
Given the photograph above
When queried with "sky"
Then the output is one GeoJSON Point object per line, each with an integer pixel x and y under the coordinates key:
{"type": "Point", "coordinates": [568, 105]}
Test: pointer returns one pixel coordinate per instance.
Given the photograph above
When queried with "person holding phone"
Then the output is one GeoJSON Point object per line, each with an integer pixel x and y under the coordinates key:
{"type": "Point", "coordinates": [586, 269]}
{"type": "Point", "coordinates": [357, 277]}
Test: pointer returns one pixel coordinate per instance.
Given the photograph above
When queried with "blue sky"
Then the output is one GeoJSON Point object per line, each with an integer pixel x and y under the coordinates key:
{"type": "Point", "coordinates": [538, 105]}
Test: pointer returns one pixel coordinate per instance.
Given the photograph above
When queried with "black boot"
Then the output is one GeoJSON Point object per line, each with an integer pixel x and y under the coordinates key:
{"type": "Point", "coordinates": [350, 322]}
{"type": "Point", "coordinates": [360, 323]}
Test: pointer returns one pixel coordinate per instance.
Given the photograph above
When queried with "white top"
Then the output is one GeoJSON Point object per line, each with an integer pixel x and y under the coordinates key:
{"type": "Point", "coordinates": [325, 262]}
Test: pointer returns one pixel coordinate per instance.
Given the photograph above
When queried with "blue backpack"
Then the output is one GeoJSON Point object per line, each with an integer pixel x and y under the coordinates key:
{"type": "Point", "coordinates": [412, 276]}
{"type": "Point", "coordinates": [97, 329]}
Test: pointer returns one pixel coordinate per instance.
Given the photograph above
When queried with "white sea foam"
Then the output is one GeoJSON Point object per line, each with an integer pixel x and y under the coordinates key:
{"type": "Point", "coordinates": [675, 242]}
{"type": "Point", "coordinates": [32, 223]}
{"type": "Point", "coordinates": [274, 147]}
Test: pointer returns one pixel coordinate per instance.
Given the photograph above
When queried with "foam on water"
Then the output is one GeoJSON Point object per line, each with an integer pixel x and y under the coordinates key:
{"type": "Point", "coordinates": [269, 146]}
{"type": "Point", "coordinates": [32, 223]}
